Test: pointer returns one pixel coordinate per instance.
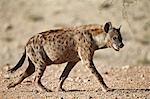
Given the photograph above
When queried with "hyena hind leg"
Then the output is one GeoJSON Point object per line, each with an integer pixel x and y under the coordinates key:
{"type": "Point", "coordinates": [29, 71]}
{"type": "Point", "coordinates": [39, 73]}
{"type": "Point", "coordinates": [65, 74]}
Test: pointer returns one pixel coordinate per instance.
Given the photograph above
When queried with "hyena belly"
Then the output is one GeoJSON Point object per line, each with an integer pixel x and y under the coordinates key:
{"type": "Point", "coordinates": [60, 48]}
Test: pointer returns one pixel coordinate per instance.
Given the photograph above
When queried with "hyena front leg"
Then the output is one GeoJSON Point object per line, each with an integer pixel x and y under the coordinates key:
{"type": "Point", "coordinates": [94, 71]}
{"type": "Point", "coordinates": [86, 56]}
{"type": "Point", "coordinates": [65, 74]}
{"type": "Point", "coordinates": [29, 71]}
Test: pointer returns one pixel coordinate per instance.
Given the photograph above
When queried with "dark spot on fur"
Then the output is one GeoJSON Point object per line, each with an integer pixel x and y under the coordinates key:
{"type": "Point", "coordinates": [41, 69]}
{"type": "Point", "coordinates": [54, 36]}
{"type": "Point", "coordinates": [80, 39]}
{"type": "Point", "coordinates": [59, 41]}
{"type": "Point", "coordinates": [62, 48]}
{"type": "Point", "coordinates": [73, 43]}
{"type": "Point", "coordinates": [53, 39]}
{"type": "Point", "coordinates": [33, 54]}
{"type": "Point", "coordinates": [84, 41]}
{"type": "Point", "coordinates": [62, 37]}
{"type": "Point", "coordinates": [54, 50]}
{"type": "Point", "coordinates": [37, 59]}
{"type": "Point", "coordinates": [66, 42]}
{"type": "Point", "coordinates": [35, 62]}
{"type": "Point", "coordinates": [36, 47]}
{"type": "Point", "coordinates": [69, 38]}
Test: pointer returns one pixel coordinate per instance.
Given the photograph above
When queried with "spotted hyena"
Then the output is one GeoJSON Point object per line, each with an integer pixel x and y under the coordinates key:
{"type": "Point", "coordinates": [68, 45]}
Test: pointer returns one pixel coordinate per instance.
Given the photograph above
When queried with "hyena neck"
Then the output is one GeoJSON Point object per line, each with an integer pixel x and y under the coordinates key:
{"type": "Point", "coordinates": [101, 41]}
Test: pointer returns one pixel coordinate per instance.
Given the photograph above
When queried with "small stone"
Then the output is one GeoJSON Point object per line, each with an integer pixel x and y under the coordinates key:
{"type": "Point", "coordinates": [126, 67]}
{"type": "Point", "coordinates": [35, 91]}
{"type": "Point", "coordinates": [106, 73]}
{"type": "Point", "coordinates": [78, 79]}
{"type": "Point", "coordinates": [69, 79]}
{"type": "Point", "coordinates": [142, 76]}
{"type": "Point", "coordinates": [6, 67]}
{"type": "Point", "coordinates": [6, 76]}
{"type": "Point", "coordinates": [134, 95]}
{"type": "Point", "coordinates": [8, 27]}
{"type": "Point", "coordinates": [86, 80]}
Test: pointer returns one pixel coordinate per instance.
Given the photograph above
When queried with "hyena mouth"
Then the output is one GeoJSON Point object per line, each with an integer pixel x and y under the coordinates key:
{"type": "Point", "coordinates": [115, 47]}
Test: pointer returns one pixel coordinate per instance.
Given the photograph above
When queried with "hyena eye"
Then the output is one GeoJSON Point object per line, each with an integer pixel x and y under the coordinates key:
{"type": "Point", "coordinates": [114, 38]}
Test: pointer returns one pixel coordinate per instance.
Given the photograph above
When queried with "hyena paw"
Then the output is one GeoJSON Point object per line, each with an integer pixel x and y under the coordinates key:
{"type": "Point", "coordinates": [11, 85]}
{"type": "Point", "coordinates": [105, 89]}
{"type": "Point", "coordinates": [61, 89]}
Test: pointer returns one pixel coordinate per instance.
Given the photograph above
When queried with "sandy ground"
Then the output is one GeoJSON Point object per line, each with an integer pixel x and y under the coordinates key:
{"type": "Point", "coordinates": [127, 71]}
{"type": "Point", "coordinates": [129, 82]}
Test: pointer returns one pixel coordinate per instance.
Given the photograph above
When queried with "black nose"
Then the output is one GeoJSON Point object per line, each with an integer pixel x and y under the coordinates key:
{"type": "Point", "coordinates": [121, 45]}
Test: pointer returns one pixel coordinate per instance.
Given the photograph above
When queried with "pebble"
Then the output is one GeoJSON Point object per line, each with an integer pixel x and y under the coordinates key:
{"type": "Point", "coordinates": [69, 79]}
{"type": "Point", "coordinates": [126, 67]}
{"type": "Point", "coordinates": [86, 80]}
{"type": "Point", "coordinates": [142, 76]}
{"type": "Point", "coordinates": [6, 76]}
{"type": "Point", "coordinates": [78, 79]}
{"type": "Point", "coordinates": [106, 73]}
{"type": "Point", "coordinates": [6, 67]}
{"type": "Point", "coordinates": [35, 91]}
{"type": "Point", "coordinates": [134, 95]}
{"type": "Point", "coordinates": [8, 27]}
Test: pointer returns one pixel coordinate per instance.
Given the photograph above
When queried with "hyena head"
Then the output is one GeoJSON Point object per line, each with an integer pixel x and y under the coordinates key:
{"type": "Point", "coordinates": [114, 39]}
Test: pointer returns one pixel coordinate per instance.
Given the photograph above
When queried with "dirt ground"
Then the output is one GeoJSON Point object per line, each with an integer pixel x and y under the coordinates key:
{"type": "Point", "coordinates": [127, 71]}
{"type": "Point", "coordinates": [129, 82]}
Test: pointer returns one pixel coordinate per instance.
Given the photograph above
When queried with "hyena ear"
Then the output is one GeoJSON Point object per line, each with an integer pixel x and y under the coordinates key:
{"type": "Point", "coordinates": [119, 28]}
{"type": "Point", "coordinates": [107, 27]}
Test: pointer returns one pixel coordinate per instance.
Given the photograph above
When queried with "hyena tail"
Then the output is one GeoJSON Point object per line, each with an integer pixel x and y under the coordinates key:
{"type": "Point", "coordinates": [19, 64]}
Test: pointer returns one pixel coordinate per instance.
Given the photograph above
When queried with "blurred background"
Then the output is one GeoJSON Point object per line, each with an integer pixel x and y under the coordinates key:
{"type": "Point", "coordinates": [21, 19]}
